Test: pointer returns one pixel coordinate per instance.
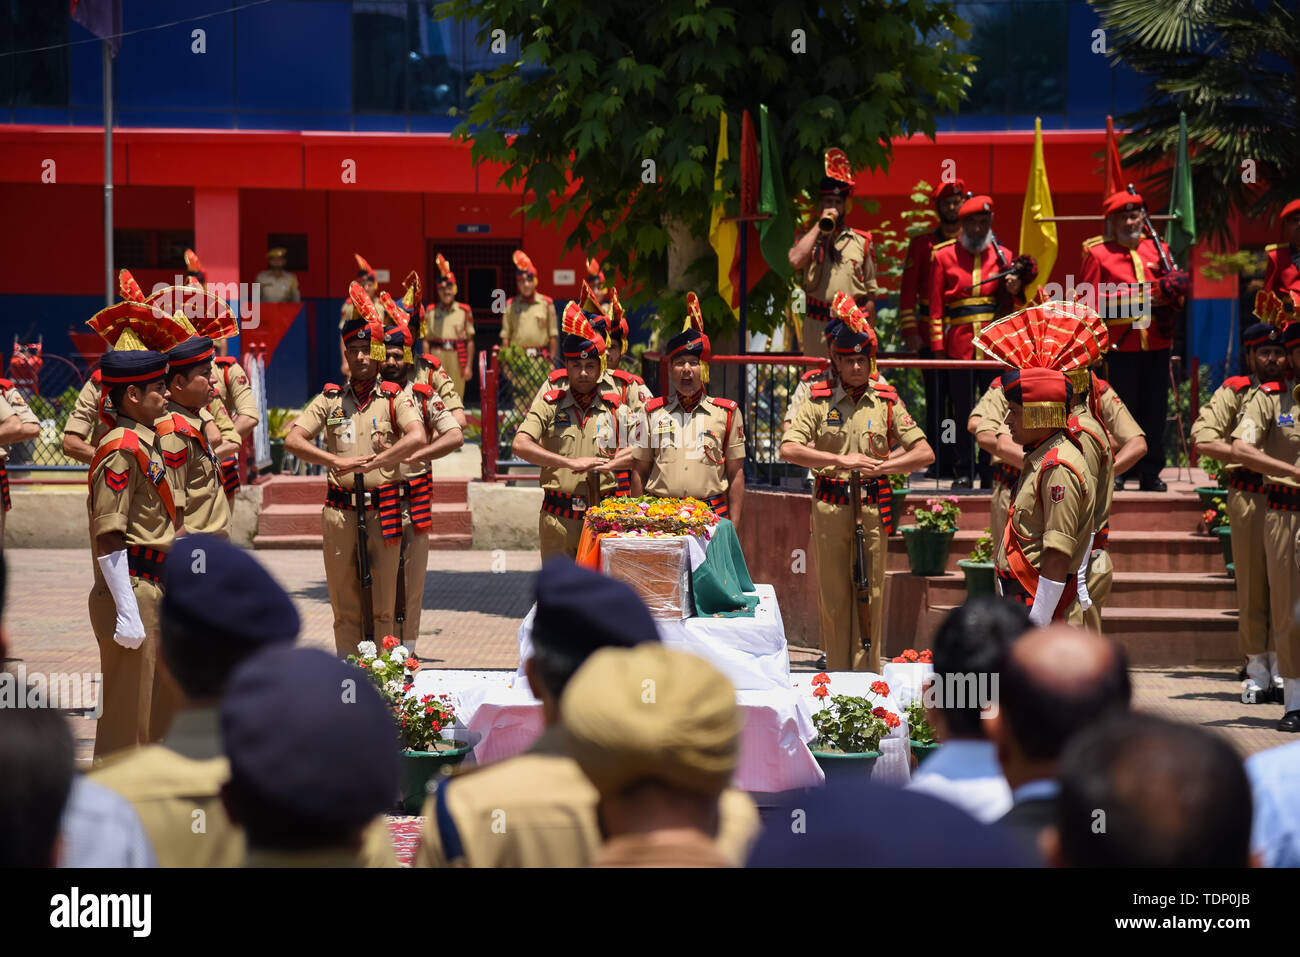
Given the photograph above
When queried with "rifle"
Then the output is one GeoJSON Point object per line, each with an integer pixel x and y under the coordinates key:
{"type": "Point", "coordinates": [861, 563]}
{"type": "Point", "coordinates": [363, 564]}
{"type": "Point", "coordinates": [1173, 283]}
{"type": "Point", "coordinates": [1026, 267]}
{"type": "Point", "coordinates": [399, 613]}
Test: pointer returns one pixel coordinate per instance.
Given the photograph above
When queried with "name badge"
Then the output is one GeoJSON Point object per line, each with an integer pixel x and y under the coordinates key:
{"type": "Point", "coordinates": [336, 418]}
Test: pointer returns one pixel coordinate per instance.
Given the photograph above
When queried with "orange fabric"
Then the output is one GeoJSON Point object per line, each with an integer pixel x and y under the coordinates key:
{"type": "Point", "coordinates": [589, 549]}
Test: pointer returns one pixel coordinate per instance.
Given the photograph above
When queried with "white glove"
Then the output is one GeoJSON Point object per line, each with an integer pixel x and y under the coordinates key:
{"type": "Point", "coordinates": [128, 631]}
{"type": "Point", "coordinates": [1084, 601]}
{"type": "Point", "coordinates": [1046, 598]}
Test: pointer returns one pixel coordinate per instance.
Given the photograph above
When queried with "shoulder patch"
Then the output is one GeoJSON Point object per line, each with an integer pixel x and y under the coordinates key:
{"type": "Point", "coordinates": [331, 390]}
{"type": "Point", "coordinates": [557, 374]}
{"type": "Point", "coordinates": [727, 404]}
{"type": "Point", "coordinates": [1093, 241]}
{"type": "Point", "coordinates": [1272, 388]}
{"type": "Point", "coordinates": [943, 245]}
{"type": "Point", "coordinates": [1237, 382]}
{"type": "Point", "coordinates": [224, 360]}
{"type": "Point", "coordinates": [656, 403]}
{"type": "Point", "coordinates": [554, 395]}
{"type": "Point", "coordinates": [390, 388]}
{"type": "Point", "coordinates": [423, 388]}
{"type": "Point", "coordinates": [612, 398]}
{"type": "Point", "coordinates": [432, 360]}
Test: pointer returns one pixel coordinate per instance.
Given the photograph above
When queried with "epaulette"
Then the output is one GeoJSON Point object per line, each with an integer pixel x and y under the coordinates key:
{"type": "Point", "coordinates": [224, 360]}
{"type": "Point", "coordinates": [544, 297]}
{"type": "Point", "coordinates": [729, 404]}
{"type": "Point", "coordinates": [626, 376]}
{"type": "Point", "coordinates": [887, 391]}
{"type": "Point", "coordinates": [1272, 388]}
{"type": "Point", "coordinates": [1102, 386]}
{"type": "Point", "coordinates": [943, 245]}
{"type": "Point", "coordinates": [423, 388]}
{"type": "Point", "coordinates": [97, 376]}
{"type": "Point", "coordinates": [822, 390]}
{"type": "Point", "coordinates": [864, 233]}
{"type": "Point", "coordinates": [612, 399]}
{"type": "Point", "coordinates": [656, 403]}
{"type": "Point", "coordinates": [1093, 241]}
{"type": "Point", "coordinates": [390, 388]}
{"type": "Point", "coordinates": [554, 396]}
{"type": "Point", "coordinates": [431, 359]}
{"type": "Point", "coordinates": [466, 307]}
{"type": "Point", "coordinates": [331, 390]}
{"type": "Point", "coordinates": [813, 373]}
{"type": "Point", "coordinates": [6, 384]}
{"type": "Point", "coordinates": [1237, 382]}
{"type": "Point", "coordinates": [996, 383]}
{"type": "Point", "coordinates": [1271, 247]}
{"type": "Point", "coordinates": [557, 374]}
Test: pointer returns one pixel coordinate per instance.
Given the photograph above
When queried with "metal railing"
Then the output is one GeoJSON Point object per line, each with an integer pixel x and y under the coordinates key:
{"type": "Point", "coordinates": [51, 396]}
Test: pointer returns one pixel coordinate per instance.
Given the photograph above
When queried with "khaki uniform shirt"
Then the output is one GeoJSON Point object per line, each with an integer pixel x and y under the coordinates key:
{"type": "Point", "coordinates": [854, 274]}
{"type": "Point", "coordinates": [231, 384]}
{"type": "Point", "coordinates": [225, 424]}
{"type": "Point", "coordinates": [530, 325]}
{"type": "Point", "coordinates": [689, 450]}
{"type": "Point", "coordinates": [84, 421]}
{"type": "Point", "coordinates": [436, 419]}
{"type": "Point", "coordinates": [15, 404]}
{"type": "Point", "coordinates": [1271, 421]}
{"type": "Point", "coordinates": [839, 425]}
{"type": "Point", "coordinates": [539, 810]}
{"type": "Point", "coordinates": [443, 324]}
{"type": "Point", "coordinates": [169, 782]}
{"type": "Point", "coordinates": [556, 422]}
{"type": "Point", "coordinates": [630, 388]}
{"type": "Point", "coordinates": [281, 288]}
{"type": "Point", "coordinates": [436, 376]}
{"type": "Point", "coordinates": [1063, 516]}
{"type": "Point", "coordinates": [680, 849]}
{"type": "Point", "coordinates": [350, 430]}
{"type": "Point", "coordinates": [195, 476]}
{"type": "Point", "coordinates": [124, 499]}
{"type": "Point", "coordinates": [1101, 464]}
{"type": "Point", "coordinates": [991, 410]}
{"type": "Point", "coordinates": [1117, 418]}
{"type": "Point", "coordinates": [1218, 417]}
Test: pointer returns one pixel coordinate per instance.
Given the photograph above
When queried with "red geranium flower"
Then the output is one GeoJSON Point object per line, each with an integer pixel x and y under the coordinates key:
{"type": "Point", "coordinates": [821, 691]}
{"type": "Point", "coordinates": [821, 679]}
{"type": "Point", "coordinates": [900, 660]}
{"type": "Point", "coordinates": [879, 712]}
{"type": "Point", "coordinates": [410, 664]}
{"type": "Point", "coordinates": [927, 656]}
{"type": "Point", "coordinates": [879, 687]}
{"type": "Point", "coordinates": [910, 655]}
{"type": "Point", "coordinates": [390, 642]}
{"type": "Point", "coordinates": [892, 719]}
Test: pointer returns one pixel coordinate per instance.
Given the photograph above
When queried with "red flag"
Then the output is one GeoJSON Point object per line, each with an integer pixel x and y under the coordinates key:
{"type": "Point", "coordinates": [748, 167]}
{"type": "Point", "coordinates": [1114, 175]}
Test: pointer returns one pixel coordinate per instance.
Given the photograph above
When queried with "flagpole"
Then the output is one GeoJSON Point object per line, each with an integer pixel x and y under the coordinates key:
{"type": "Point", "coordinates": [109, 285]}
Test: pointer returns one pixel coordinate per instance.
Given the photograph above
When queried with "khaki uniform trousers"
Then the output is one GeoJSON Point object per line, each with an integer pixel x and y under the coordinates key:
{"type": "Point", "coordinates": [416, 544]}
{"type": "Point", "coordinates": [451, 366]}
{"type": "Point", "coordinates": [1246, 511]}
{"type": "Point", "coordinates": [339, 531]}
{"type": "Point", "coordinates": [138, 697]}
{"type": "Point", "coordinates": [1100, 577]}
{"type": "Point", "coordinates": [999, 506]}
{"type": "Point", "coordinates": [832, 533]}
{"type": "Point", "coordinates": [558, 536]}
{"type": "Point", "coordinates": [1280, 528]}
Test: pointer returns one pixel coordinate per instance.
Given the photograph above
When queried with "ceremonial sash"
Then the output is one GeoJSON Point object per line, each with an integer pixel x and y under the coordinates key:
{"type": "Point", "coordinates": [129, 441]}
{"type": "Point", "coordinates": [1020, 582]}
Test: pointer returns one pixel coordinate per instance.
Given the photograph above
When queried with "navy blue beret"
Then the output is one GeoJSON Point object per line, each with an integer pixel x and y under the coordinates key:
{"type": "Point", "coordinates": [191, 352]}
{"type": "Point", "coordinates": [833, 327]}
{"type": "Point", "coordinates": [311, 734]}
{"type": "Point", "coordinates": [136, 366]}
{"type": "Point", "coordinates": [1291, 335]}
{"type": "Point", "coordinates": [579, 611]}
{"type": "Point", "coordinates": [396, 336]}
{"type": "Point", "coordinates": [842, 828]}
{"type": "Point", "coordinates": [218, 588]}
{"type": "Point", "coordinates": [688, 341]}
{"type": "Point", "coordinates": [355, 329]}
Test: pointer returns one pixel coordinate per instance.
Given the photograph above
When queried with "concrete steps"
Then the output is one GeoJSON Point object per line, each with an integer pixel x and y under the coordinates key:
{"type": "Point", "coordinates": [291, 513]}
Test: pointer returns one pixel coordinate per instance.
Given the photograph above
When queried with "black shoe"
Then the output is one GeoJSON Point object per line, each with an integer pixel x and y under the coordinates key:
{"type": "Point", "coordinates": [1153, 484]}
{"type": "Point", "coordinates": [821, 663]}
{"type": "Point", "coordinates": [1290, 722]}
{"type": "Point", "coordinates": [931, 472]}
{"type": "Point", "coordinates": [962, 481]}
{"type": "Point", "coordinates": [1119, 484]}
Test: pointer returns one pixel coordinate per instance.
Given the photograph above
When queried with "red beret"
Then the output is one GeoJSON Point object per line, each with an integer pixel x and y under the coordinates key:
{"type": "Point", "coordinates": [975, 205]}
{"type": "Point", "coordinates": [1289, 208]}
{"type": "Point", "coordinates": [1122, 202]}
{"type": "Point", "coordinates": [957, 187]}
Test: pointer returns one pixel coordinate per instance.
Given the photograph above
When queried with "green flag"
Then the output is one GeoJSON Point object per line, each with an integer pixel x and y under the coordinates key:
{"type": "Point", "coordinates": [1180, 234]}
{"type": "Point", "coordinates": [776, 235]}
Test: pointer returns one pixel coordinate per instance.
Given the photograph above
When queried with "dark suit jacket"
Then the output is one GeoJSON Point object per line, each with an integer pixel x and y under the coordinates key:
{"type": "Point", "coordinates": [1026, 820]}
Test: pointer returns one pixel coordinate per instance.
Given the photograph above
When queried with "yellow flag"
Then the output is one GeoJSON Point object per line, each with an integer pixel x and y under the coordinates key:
{"type": "Point", "coordinates": [723, 237]}
{"type": "Point", "coordinates": [1037, 238]}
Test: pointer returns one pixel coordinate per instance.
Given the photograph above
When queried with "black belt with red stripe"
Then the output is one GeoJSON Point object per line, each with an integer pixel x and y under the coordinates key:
{"type": "Point", "coordinates": [144, 562]}
{"type": "Point", "coordinates": [1102, 538]}
{"type": "Point", "coordinates": [419, 498]}
{"type": "Point", "coordinates": [1246, 480]}
{"type": "Point", "coordinates": [818, 309]}
{"type": "Point", "coordinates": [4, 485]}
{"type": "Point", "coordinates": [837, 492]}
{"type": "Point", "coordinates": [230, 474]}
{"type": "Point", "coordinates": [1004, 474]}
{"type": "Point", "coordinates": [719, 505]}
{"type": "Point", "coordinates": [563, 506]}
{"type": "Point", "coordinates": [624, 480]}
{"type": "Point", "coordinates": [1285, 498]}
{"type": "Point", "coordinates": [387, 499]}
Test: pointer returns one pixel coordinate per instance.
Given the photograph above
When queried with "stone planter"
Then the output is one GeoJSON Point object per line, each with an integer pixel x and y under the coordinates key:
{"type": "Point", "coordinates": [979, 577]}
{"type": "Point", "coordinates": [927, 551]}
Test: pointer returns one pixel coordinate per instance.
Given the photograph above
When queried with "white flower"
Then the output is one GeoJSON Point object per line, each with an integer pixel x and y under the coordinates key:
{"type": "Point", "coordinates": [400, 653]}
{"type": "Point", "coordinates": [378, 664]}
{"type": "Point", "coordinates": [393, 687]}
{"type": "Point", "coordinates": [367, 649]}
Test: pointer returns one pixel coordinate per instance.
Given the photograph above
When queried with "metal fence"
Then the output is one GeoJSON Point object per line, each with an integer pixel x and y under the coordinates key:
{"type": "Point", "coordinates": [50, 386]}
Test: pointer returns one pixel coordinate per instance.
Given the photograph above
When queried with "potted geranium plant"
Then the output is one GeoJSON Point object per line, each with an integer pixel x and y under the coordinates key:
{"type": "Point", "coordinates": [1215, 521]}
{"type": "Point", "coordinates": [894, 495]}
{"type": "Point", "coordinates": [849, 729]}
{"type": "Point", "coordinates": [1214, 471]}
{"type": "Point", "coordinates": [421, 720]}
{"type": "Point", "coordinates": [978, 566]}
{"type": "Point", "coordinates": [929, 540]}
{"type": "Point", "coordinates": [923, 737]}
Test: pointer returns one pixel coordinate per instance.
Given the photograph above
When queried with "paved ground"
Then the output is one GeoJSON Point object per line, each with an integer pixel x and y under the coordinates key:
{"type": "Point", "coordinates": [480, 598]}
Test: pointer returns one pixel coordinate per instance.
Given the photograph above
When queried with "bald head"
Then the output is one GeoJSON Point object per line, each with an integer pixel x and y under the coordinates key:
{"type": "Point", "coordinates": [1056, 681]}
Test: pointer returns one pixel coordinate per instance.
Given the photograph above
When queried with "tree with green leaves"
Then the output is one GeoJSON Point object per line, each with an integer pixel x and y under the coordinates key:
{"type": "Point", "coordinates": [1233, 66]}
{"type": "Point", "coordinates": [610, 115]}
